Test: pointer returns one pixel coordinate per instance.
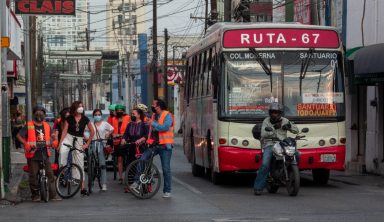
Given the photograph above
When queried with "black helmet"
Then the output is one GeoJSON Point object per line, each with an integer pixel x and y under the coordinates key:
{"type": "Point", "coordinates": [39, 108]}
{"type": "Point", "coordinates": [276, 107]}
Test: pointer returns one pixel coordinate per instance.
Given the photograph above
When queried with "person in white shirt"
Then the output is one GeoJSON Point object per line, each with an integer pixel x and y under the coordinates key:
{"type": "Point", "coordinates": [102, 131]}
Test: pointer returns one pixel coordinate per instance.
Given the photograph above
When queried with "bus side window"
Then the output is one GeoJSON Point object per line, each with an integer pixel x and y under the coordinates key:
{"type": "Point", "coordinates": [197, 76]}
{"type": "Point", "coordinates": [215, 73]}
{"type": "Point", "coordinates": [187, 85]}
{"type": "Point", "coordinates": [192, 78]}
{"type": "Point", "coordinates": [209, 72]}
{"type": "Point", "coordinates": [203, 73]}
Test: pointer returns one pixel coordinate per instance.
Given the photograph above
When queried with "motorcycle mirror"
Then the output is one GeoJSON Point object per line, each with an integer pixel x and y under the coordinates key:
{"type": "Point", "coordinates": [268, 129]}
{"type": "Point", "coordinates": [305, 130]}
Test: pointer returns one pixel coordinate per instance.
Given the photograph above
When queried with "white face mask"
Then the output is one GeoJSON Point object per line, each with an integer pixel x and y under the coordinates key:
{"type": "Point", "coordinates": [80, 110]}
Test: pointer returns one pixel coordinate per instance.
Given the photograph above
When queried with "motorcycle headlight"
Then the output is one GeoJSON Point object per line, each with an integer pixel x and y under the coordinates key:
{"type": "Point", "coordinates": [290, 150]}
{"type": "Point", "coordinates": [277, 150]}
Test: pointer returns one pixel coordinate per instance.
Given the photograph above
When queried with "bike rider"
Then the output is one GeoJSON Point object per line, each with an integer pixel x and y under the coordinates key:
{"type": "Point", "coordinates": [280, 126]}
{"type": "Point", "coordinates": [36, 138]}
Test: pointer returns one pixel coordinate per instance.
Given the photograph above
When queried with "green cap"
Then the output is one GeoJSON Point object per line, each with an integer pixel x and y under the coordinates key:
{"type": "Point", "coordinates": [112, 107]}
{"type": "Point", "coordinates": [120, 106]}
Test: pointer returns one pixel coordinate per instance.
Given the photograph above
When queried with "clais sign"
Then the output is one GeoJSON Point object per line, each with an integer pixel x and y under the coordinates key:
{"type": "Point", "coordinates": [46, 7]}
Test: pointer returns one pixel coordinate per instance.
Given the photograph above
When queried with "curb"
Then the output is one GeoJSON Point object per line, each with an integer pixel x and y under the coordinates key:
{"type": "Point", "coordinates": [14, 185]}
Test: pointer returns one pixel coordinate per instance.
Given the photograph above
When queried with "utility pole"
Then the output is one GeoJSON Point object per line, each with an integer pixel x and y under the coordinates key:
{"type": "Point", "coordinates": [206, 16]}
{"type": "Point", "coordinates": [3, 72]}
{"type": "Point", "coordinates": [227, 10]}
{"type": "Point", "coordinates": [154, 60]}
{"type": "Point", "coordinates": [165, 75]}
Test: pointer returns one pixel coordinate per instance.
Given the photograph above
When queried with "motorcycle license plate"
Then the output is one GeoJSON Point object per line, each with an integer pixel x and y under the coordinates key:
{"type": "Point", "coordinates": [328, 158]}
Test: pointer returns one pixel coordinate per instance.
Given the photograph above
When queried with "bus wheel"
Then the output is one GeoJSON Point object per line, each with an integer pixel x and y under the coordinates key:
{"type": "Point", "coordinates": [197, 171]}
{"type": "Point", "coordinates": [320, 176]}
{"type": "Point", "coordinates": [216, 178]}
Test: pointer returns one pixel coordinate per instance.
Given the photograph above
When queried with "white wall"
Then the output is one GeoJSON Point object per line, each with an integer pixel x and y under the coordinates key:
{"type": "Point", "coordinates": [373, 22]}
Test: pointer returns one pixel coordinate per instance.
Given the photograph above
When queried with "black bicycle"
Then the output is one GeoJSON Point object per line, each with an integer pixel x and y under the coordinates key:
{"type": "Point", "coordinates": [70, 176]}
{"type": "Point", "coordinates": [94, 169]}
{"type": "Point", "coordinates": [144, 177]}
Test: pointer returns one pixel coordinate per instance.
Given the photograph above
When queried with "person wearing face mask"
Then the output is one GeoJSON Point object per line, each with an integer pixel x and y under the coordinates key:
{"type": "Point", "coordinates": [120, 123]}
{"type": "Point", "coordinates": [111, 113]}
{"type": "Point", "coordinates": [135, 136]}
{"type": "Point", "coordinates": [102, 131]}
{"type": "Point", "coordinates": [17, 126]}
{"type": "Point", "coordinates": [36, 137]}
{"type": "Point", "coordinates": [74, 126]}
{"type": "Point", "coordinates": [161, 139]}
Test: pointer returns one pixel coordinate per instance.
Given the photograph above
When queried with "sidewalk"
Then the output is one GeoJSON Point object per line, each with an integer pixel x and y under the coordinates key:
{"type": "Point", "coordinates": [18, 160]}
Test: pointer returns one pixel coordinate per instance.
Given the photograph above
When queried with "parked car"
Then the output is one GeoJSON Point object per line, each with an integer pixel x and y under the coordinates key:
{"type": "Point", "coordinates": [49, 117]}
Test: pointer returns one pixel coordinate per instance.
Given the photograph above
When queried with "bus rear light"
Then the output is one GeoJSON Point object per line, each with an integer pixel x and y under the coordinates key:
{"type": "Point", "coordinates": [332, 141]}
{"type": "Point", "coordinates": [245, 143]}
{"type": "Point", "coordinates": [321, 142]}
{"type": "Point", "coordinates": [222, 141]}
{"type": "Point", "coordinates": [234, 141]}
{"type": "Point", "coordinates": [343, 140]}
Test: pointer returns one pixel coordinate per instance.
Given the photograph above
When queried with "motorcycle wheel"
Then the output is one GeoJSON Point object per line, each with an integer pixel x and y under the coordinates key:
{"type": "Point", "coordinates": [293, 184]}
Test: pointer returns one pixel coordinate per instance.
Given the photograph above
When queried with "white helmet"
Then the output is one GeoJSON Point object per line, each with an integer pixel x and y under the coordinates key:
{"type": "Point", "coordinates": [143, 107]}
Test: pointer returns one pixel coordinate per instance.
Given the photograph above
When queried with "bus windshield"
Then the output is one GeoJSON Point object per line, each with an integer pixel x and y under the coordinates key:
{"type": "Point", "coordinates": [308, 83]}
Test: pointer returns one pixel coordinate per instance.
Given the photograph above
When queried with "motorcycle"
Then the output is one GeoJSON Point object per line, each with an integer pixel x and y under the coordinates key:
{"type": "Point", "coordinates": [284, 170]}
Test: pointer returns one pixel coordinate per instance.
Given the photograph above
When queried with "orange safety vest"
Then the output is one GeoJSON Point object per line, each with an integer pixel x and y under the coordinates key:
{"type": "Point", "coordinates": [116, 130]}
{"type": "Point", "coordinates": [166, 137]}
{"type": "Point", "coordinates": [110, 119]}
{"type": "Point", "coordinates": [31, 138]}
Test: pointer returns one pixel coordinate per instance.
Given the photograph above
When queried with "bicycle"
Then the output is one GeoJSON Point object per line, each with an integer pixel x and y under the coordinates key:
{"type": "Point", "coordinates": [42, 179]}
{"type": "Point", "coordinates": [146, 176]}
{"type": "Point", "coordinates": [94, 169]}
{"type": "Point", "coordinates": [70, 176]}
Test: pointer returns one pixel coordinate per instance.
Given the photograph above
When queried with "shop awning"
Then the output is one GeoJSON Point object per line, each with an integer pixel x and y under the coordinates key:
{"type": "Point", "coordinates": [369, 64]}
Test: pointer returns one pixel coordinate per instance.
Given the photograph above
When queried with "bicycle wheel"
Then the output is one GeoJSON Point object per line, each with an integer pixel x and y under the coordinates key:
{"type": "Point", "coordinates": [91, 173]}
{"type": "Point", "coordinates": [44, 188]}
{"type": "Point", "coordinates": [145, 179]}
{"type": "Point", "coordinates": [68, 181]}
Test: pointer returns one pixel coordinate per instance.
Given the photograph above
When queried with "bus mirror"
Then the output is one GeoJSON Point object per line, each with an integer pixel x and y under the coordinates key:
{"type": "Point", "coordinates": [256, 131]}
{"type": "Point", "coordinates": [268, 129]}
{"type": "Point", "coordinates": [305, 130]}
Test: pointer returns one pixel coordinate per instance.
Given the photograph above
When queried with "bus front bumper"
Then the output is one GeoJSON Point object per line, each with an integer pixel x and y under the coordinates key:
{"type": "Point", "coordinates": [332, 158]}
{"type": "Point", "coordinates": [232, 159]}
{"type": "Point", "coordinates": [238, 159]}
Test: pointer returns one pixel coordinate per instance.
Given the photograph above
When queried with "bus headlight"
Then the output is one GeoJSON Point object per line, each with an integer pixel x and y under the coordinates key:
{"type": "Point", "coordinates": [245, 142]}
{"type": "Point", "coordinates": [321, 142]}
{"type": "Point", "coordinates": [234, 141]}
{"type": "Point", "coordinates": [332, 141]}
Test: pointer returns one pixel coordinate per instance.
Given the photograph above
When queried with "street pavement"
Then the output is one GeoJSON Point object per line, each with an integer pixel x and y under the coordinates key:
{"type": "Point", "coordinates": [347, 198]}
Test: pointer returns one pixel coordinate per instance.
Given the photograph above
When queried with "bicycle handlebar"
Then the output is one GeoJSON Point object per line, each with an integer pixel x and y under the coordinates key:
{"type": "Point", "coordinates": [71, 148]}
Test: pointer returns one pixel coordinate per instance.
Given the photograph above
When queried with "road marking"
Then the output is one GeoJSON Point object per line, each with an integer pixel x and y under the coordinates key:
{"type": "Point", "coordinates": [187, 186]}
{"type": "Point", "coordinates": [248, 219]}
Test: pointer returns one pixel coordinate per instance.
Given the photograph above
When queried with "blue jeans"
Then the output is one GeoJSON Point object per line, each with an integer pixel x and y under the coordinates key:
{"type": "Point", "coordinates": [99, 146]}
{"type": "Point", "coordinates": [165, 157]}
{"type": "Point", "coordinates": [262, 174]}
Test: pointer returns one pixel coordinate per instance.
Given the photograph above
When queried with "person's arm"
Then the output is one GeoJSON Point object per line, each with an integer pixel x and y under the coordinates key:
{"type": "Point", "coordinates": [64, 132]}
{"type": "Point", "coordinates": [91, 135]}
{"type": "Point", "coordinates": [108, 129]}
{"type": "Point", "coordinates": [125, 137]}
{"type": "Point", "coordinates": [165, 127]}
{"type": "Point", "coordinates": [21, 137]}
{"type": "Point", "coordinates": [266, 134]}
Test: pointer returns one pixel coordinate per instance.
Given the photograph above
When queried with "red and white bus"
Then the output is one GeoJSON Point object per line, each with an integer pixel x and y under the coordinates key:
{"type": "Point", "coordinates": [237, 70]}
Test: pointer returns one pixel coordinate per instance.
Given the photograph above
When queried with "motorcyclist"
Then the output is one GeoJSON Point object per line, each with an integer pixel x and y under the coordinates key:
{"type": "Point", "coordinates": [279, 126]}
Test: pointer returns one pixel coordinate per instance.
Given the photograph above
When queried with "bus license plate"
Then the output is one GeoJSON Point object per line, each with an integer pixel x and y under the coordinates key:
{"type": "Point", "coordinates": [328, 158]}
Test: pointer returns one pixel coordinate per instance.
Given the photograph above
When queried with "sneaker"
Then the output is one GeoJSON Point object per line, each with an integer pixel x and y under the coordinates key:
{"type": "Point", "coordinates": [104, 187]}
{"type": "Point", "coordinates": [84, 192]}
{"type": "Point", "coordinates": [167, 195]}
{"type": "Point", "coordinates": [257, 192]}
{"type": "Point", "coordinates": [55, 199]}
{"type": "Point", "coordinates": [36, 199]}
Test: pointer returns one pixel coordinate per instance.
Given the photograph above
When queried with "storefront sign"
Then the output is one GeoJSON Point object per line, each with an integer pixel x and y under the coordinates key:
{"type": "Point", "coordinates": [5, 43]}
{"type": "Point", "coordinates": [316, 110]}
{"type": "Point", "coordinates": [281, 38]}
{"type": "Point", "coordinates": [328, 98]}
{"type": "Point", "coordinates": [46, 7]}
